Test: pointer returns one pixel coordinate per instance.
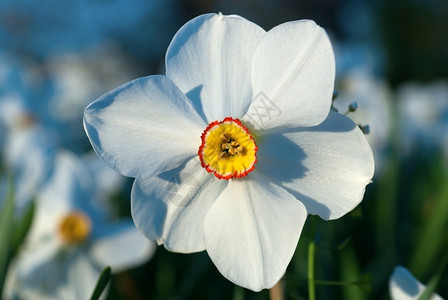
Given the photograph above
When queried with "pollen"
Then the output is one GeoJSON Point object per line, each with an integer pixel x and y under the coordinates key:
{"type": "Point", "coordinates": [74, 228]}
{"type": "Point", "coordinates": [228, 149]}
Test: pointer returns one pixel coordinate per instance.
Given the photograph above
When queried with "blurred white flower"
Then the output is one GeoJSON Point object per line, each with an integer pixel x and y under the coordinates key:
{"type": "Point", "coordinates": [26, 148]}
{"type": "Point", "coordinates": [404, 286]}
{"type": "Point", "coordinates": [71, 239]}
{"type": "Point", "coordinates": [30, 135]}
{"type": "Point", "coordinates": [28, 156]}
{"type": "Point", "coordinates": [424, 116]}
{"type": "Point", "coordinates": [373, 97]}
{"type": "Point", "coordinates": [96, 70]}
{"type": "Point", "coordinates": [23, 101]}
{"type": "Point", "coordinates": [107, 181]}
{"type": "Point", "coordinates": [10, 93]}
{"type": "Point", "coordinates": [266, 98]}
{"type": "Point", "coordinates": [48, 95]}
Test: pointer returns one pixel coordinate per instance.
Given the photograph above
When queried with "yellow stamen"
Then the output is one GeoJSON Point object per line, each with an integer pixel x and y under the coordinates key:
{"type": "Point", "coordinates": [228, 149]}
{"type": "Point", "coordinates": [74, 228]}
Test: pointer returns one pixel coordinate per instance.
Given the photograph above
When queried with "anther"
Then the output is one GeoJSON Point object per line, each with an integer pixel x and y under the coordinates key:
{"type": "Point", "coordinates": [226, 137]}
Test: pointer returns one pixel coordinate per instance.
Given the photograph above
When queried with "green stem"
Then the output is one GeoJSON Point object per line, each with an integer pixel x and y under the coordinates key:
{"type": "Point", "coordinates": [311, 281]}
{"type": "Point", "coordinates": [330, 282]}
{"type": "Point", "coordinates": [101, 283]}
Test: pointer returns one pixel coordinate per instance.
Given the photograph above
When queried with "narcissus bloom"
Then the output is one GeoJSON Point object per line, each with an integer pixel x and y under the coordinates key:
{"type": "Point", "coordinates": [235, 145]}
{"type": "Point", "coordinates": [404, 286]}
{"type": "Point", "coordinates": [71, 239]}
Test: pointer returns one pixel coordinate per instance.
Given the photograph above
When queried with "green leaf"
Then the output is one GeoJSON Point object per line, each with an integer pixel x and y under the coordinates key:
{"type": "Point", "coordinates": [350, 272]}
{"type": "Point", "coordinates": [430, 241]}
{"type": "Point", "coordinates": [430, 289]}
{"type": "Point", "coordinates": [101, 284]}
{"type": "Point", "coordinates": [434, 282]}
{"type": "Point", "coordinates": [344, 243]}
{"type": "Point", "coordinates": [238, 293]}
{"type": "Point", "coordinates": [6, 225]}
{"type": "Point", "coordinates": [365, 282]}
{"type": "Point", "coordinates": [22, 227]}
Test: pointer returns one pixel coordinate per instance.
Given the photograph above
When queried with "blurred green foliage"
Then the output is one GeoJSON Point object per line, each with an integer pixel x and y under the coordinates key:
{"type": "Point", "coordinates": [415, 39]}
{"type": "Point", "coordinates": [13, 230]}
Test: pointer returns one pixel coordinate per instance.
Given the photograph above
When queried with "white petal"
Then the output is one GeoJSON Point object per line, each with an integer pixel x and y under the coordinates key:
{"type": "Point", "coordinates": [210, 60]}
{"type": "Point", "coordinates": [107, 182]}
{"type": "Point", "coordinates": [143, 127]}
{"type": "Point", "coordinates": [171, 208]}
{"type": "Point", "coordinates": [68, 180]}
{"type": "Point", "coordinates": [252, 230]}
{"type": "Point", "coordinates": [47, 278]}
{"type": "Point", "coordinates": [34, 256]}
{"type": "Point", "coordinates": [326, 167]}
{"type": "Point", "coordinates": [292, 76]}
{"type": "Point", "coordinates": [121, 246]}
{"type": "Point", "coordinates": [83, 275]}
{"type": "Point", "coordinates": [29, 154]}
{"type": "Point", "coordinates": [404, 286]}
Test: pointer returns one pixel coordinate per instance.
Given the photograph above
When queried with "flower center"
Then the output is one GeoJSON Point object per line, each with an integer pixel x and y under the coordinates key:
{"type": "Point", "coordinates": [74, 228]}
{"type": "Point", "coordinates": [228, 149]}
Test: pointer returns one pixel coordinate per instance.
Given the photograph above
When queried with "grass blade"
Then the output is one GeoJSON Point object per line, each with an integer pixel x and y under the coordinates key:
{"type": "Point", "coordinates": [6, 225]}
{"type": "Point", "coordinates": [101, 284]}
{"type": "Point", "coordinates": [22, 227]}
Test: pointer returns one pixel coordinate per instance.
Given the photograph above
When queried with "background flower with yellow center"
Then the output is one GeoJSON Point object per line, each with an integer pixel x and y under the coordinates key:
{"type": "Point", "coordinates": [71, 240]}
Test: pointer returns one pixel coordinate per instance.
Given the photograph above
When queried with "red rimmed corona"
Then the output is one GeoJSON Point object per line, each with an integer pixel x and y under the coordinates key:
{"type": "Point", "coordinates": [228, 149]}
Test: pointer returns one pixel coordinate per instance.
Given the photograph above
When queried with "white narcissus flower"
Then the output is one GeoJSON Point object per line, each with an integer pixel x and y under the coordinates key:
{"type": "Point", "coordinates": [235, 145]}
{"type": "Point", "coordinates": [424, 116]}
{"type": "Point", "coordinates": [90, 69]}
{"type": "Point", "coordinates": [404, 286]}
{"type": "Point", "coordinates": [71, 240]}
{"type": "Point", "coordinates": [28, 155]}
{"type": "Point", "coordinates": [373, 97]}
